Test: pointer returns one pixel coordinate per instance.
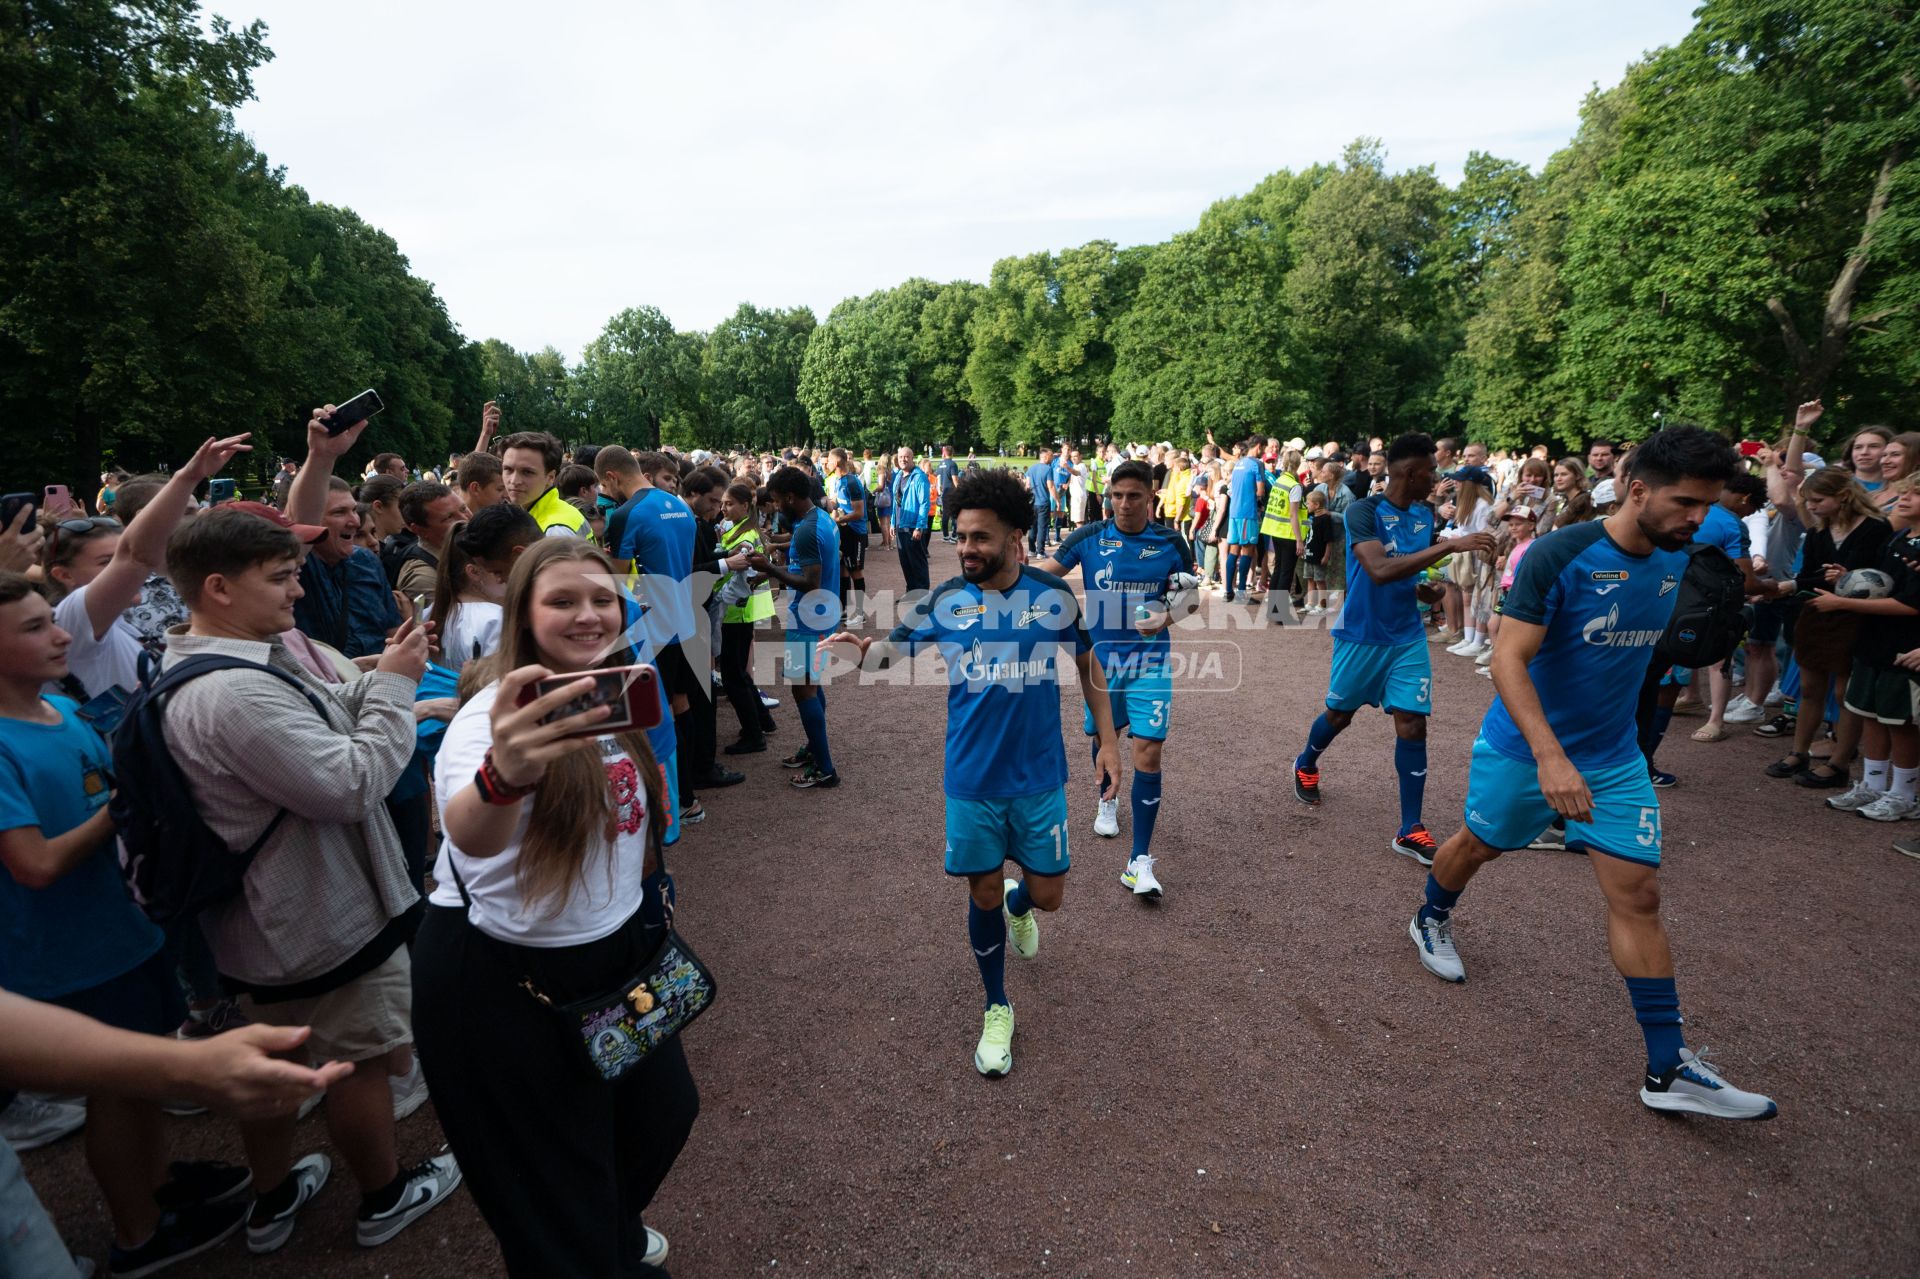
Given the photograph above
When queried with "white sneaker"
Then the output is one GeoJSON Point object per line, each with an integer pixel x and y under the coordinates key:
{"type": "Point", "coordinates": [1855, 799]}
{"type": "Point", "coordinates": [1745, 712]}
{"type": "Point", "coordinates": [1890, 808]}
{"type": "Point", "coordinates": [1434, 939]}
{"type": "Point", "coordinates": [1695, 1087]}
{"type": "Point", "coordinates": [1776, 697]}
{"type": "Point", "coordinates": [1739, 701]}
{"type": "Point", "coordinates": [1140, 878]}
{"type": "Point", "coordinates": [1485, 657]}
{"type": "Point", "coordinates": [656, 1247]}
{"type": "Point", "coordinates": [1464, 647]}
{"type": "Point", "coordinates": [1107, 821]}
{"type": "Point", "coordinates": [32, 1121]}
{"type": "Point", "coordinates": [409, 1091]}
{"type": "Point", "coordinates": [429, 1182]}
{"type": "Point", "coordinates": [1482, 647]}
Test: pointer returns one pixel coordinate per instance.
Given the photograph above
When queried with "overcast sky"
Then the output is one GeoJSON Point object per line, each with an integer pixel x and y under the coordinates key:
{"type": "Point", "coordinates": [548, 165]}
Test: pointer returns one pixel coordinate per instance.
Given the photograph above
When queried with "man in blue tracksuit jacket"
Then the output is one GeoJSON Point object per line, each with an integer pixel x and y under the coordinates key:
{"type": "Point", "coordinates": [911, 507]}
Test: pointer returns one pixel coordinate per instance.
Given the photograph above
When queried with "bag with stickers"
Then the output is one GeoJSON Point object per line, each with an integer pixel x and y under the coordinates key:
{"type": "Point", "coordinates": [1710, 615]}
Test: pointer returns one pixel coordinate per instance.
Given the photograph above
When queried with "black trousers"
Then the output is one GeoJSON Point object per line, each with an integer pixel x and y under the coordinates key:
{"type": "Point", "coordinates": [693, 729]}
{"type": "Point", "coordinates": [913, 559]}
{"type": "Point", "coordinates": [561, 1163]}
{"type": "Point", "coordinates": [1286, 555]}
{"type": "Point", "coordinates": [736, 677]}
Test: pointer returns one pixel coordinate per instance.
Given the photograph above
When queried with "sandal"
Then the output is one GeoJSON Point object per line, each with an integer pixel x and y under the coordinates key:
{"type": "Point", "coordinates": [1710, 733]}
{"type": "Point", "coordinates": [1822, 776]}
{"type": "Point", "coordinates": [1790, 765]}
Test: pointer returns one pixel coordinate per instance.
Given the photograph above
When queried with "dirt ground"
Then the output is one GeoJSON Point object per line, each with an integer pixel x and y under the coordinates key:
{"type": "Point", "coordinates": [1254, 1077]}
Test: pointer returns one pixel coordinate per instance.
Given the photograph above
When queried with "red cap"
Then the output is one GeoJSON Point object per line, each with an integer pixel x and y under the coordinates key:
{"type": "Point", "coordinates": [307, 533]}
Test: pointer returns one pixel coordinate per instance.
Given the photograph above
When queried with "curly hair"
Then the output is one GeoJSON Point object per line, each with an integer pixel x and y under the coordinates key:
{"type": "Point", "coordinates": [996, 491]}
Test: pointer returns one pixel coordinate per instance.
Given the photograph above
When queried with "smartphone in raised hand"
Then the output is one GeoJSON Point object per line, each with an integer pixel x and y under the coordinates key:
{"type": "Point", "coordinates": [632, 691]}
{"type": "Point", "coordinates": [355, 411]}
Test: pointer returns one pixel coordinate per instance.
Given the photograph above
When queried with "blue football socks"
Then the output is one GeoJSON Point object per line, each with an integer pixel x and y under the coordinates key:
{"type": "Point", "coordinates": [1146, 808]}
{"type": "Point", "coordinates": [987, 931]}
{"type": "Point", "coordinates": [1233, 571]}
{"type": "Point", "coordinates": [1656, 1006]}
{"type": "Point", "coordinates": [813, 717]}
{"type": "Point", "coordinates": [1410, 762]}
{"type": "Point", "coordinates": [1319, 737]}
{"type": "Point", "coordinates": [1019, 900]}
{"type": "Point", "coordinates": [1439, 903]}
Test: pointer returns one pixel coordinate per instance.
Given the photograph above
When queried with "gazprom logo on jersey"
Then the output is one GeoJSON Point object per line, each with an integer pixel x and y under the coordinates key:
{"type": "Point", "coordinates": [989, 664]}
{"type": "Point", "coordinates": [1602, 632]}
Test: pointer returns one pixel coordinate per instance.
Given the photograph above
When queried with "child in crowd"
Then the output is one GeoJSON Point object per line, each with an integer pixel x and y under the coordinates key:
{"type": "Point", "coordinates": [473, 580]}
{"type": "Point", "coordinates": [1320, 534]}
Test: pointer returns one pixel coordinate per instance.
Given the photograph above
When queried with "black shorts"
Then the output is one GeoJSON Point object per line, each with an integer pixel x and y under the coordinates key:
{"type": "Point", "coordinates": [676, 672]}
{"type": "Point", "coordinates": [1769, 619]}
{"type": "Point", "coordinates": [145, 999]}
{"type": "Point", "coordinates": [853, 551]}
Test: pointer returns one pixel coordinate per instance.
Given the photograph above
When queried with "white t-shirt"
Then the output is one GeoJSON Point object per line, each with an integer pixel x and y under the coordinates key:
{"type": "Point", "coordinates": [98, 664]}
{"type": "Point", "coordinates": [473, 631]}
{"type": "Point", "coordinates": [597, 907]}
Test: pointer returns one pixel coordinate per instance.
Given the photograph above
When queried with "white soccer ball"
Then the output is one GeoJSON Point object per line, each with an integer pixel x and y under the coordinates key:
{"type": "Point", "coordinates": [1864, 584]}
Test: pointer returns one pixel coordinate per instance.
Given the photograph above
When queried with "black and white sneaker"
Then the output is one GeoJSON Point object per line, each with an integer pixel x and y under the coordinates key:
{"type": "Point", "coordinates": [180, 1235]}
{"type": "Point", "coordinates": [428, 1185]}
{"type": "Point", "coordinates": [1694, 1087]}
{"type": "Point", "coordinates": [270, 1224]}
{"type": "Point", "coordinates": [192, 1183]}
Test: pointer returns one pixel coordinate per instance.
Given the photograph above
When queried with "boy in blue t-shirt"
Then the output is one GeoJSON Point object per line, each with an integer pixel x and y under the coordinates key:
{"type": "Point", "coordinates": [1002, 626]}
{"type": "Point", "coordinates": [850, 500]}
{"type": "Point", "coordinates": [1588, 605]}
{"type": "Point", "coordinates": [813, 572]}
{"type": "Point", "coordinates": [74, 937]}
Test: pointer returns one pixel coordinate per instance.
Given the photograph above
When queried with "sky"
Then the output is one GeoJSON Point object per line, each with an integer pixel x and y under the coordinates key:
{"type": "Point", "coordinates": [549, 166]}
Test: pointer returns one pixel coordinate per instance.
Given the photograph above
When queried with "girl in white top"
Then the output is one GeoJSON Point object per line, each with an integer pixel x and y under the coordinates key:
{"type": "Point", "coordinates": [471, 581]}
{"type": "Point", "coordinates": [550, 879]}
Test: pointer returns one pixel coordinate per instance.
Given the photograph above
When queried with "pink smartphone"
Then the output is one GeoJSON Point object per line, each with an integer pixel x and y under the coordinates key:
{"type": "Point", "coordinates": [632, 691]}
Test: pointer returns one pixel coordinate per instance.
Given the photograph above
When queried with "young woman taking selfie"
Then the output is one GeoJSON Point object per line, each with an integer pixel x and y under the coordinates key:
{"type": "Point", "coordinates": [550, 890]}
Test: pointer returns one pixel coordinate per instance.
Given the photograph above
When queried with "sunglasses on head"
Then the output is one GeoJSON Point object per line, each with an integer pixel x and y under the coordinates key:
{"type": "Point", "coordinates": [82, 526]}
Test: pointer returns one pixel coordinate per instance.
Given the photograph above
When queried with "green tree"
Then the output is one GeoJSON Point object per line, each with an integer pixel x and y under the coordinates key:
{"type": "Point", "coordinates": [638, 383]}
{"type": "Point", "coordinates": [532, 389]}
{"type": "Point", "coordinates": [751, 372]}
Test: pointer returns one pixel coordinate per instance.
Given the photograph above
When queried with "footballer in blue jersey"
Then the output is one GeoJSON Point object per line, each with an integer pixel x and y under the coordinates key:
{"type": "Point", "coordinates": [1379, 646]}
{"type": "Point", "coordinates": [1138, 578]}
{"type": "Point", "coordinates": [850, 500]}
{"type": "Point", "coordinates": [1588, 606]}
{"type": "Point", "coordinates": [813, 572]}
{"type": "Point", "coordinates": [1003, 627]}
{"type": "Point", "coordinates": [1246, 503]}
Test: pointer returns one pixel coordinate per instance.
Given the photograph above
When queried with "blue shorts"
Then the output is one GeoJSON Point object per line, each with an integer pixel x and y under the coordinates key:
{"type": "Point", "coordinates": [1243, 532]}
{"type": "Point", "coordinates": [1394, 677]}
{"type": "Point", "coordinates": [1676, 677]}
{"type": "Point", "coordinates": [1142, 699]}
{"type": "Point", "coordinates": [670, 773]}
{"type": "Point", "coordinates": [803, 658]}
{"type": "Point", "coordinates": [984, 834]}
{"type": "Point", "coordinates": [1505, 808]}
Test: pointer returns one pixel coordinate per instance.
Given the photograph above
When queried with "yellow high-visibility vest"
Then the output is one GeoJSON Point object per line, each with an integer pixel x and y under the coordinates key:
{"type": "Point", "coordinates": [1282, 518]}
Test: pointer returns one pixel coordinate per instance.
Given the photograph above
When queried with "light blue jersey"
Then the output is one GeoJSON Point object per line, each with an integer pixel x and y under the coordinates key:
{"type": "Point", "coordinates": [1004, 671]}
{"type": "Point", "coordinates": [1122, 571]}
{"type": "Point", "coordinates": [816, 540]}
{"type": "Point", "coordinates": [1604, 611]}
{"type": "Point", "coordinates": [1384, 612]}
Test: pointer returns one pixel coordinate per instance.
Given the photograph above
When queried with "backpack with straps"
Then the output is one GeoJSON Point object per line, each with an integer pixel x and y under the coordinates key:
{"type": "Point", "coordinates": [173, 861]}
{"type": "Point", "coordinates": [396, 549]}
{"type": "Point", "coordinates": [1710, 615]}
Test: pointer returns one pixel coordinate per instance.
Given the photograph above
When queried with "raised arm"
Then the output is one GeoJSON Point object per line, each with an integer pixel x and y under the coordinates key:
{"type": "Point", "coordinates": [307, 495]}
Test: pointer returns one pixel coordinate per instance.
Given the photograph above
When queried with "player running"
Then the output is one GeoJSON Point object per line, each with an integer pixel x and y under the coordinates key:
{"type": "Point", "coordinates": [1379, 648]}
{"type": "Point", "coordinates": [1000, 627]}
{"type": "Point", "coordinates": [1139, 581]}
{"type": "Point", "coordinates": [1588, 605]}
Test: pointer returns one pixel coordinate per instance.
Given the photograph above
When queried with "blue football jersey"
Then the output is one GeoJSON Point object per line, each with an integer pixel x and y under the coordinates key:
{"type": "Point", "coordinates": [816, 540]}
{"type": "Point", "coordinates": [656, 533]}
{"type": "Point", "coordinates": [1604, 610]}
{"type": "Point", "coordinates": [1376, 612]}
{"type": "Point", "coordinates": [1004, 673]}
{"type": "Point", "coordinates": [1243, 488]}
{"type": "Point", "coordinates": [1722, 528]}
{"type": "Point", "coordinates": [1122, 571]}
{"type": "Point", "coordinates": [847, 489]}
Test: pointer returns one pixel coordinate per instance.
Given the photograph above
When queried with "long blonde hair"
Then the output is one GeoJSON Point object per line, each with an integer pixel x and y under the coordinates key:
{"type": "Point", "coordinates": [575, 806]}
{"type": "Point", "coordinates": [1834, 481]}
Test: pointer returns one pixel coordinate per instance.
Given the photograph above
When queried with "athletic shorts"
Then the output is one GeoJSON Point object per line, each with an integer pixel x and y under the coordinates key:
{"type": "Point", "coordinates": [1242, 532]}
{"type": "Point", "coordinates": [803, 658]}
{"type": "Point", "coordinates": [368, 1017]}
{"type": "Point", "coordinates": [1882, 693]}
{"type": "Point", "coordinates": [1676, 677]}
{"type": "Point", "coordinates": [145, 999]}
{"type": "Point", "coordinates": [1142, 699]}
{"type": "Point", "coordinates": [1505, 809]}
{"type": "Point", "coordinates": [1394, 677]}
{"type": "Point", "coordinates": [853, 551]}
{"type": "Point", "coordinates": [1769, 620]}
{"type": "Point", "coordinates": [985, 834]}
{"type": "Point", "coordinates": [670, 772]}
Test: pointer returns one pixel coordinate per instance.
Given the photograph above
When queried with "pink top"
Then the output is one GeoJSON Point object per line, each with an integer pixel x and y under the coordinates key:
{"type": "Point", "coordinates": [1513, 562]}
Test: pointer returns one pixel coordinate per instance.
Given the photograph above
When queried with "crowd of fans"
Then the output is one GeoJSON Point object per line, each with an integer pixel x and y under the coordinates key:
{"type": "Point", "coordinates": [351, 675]}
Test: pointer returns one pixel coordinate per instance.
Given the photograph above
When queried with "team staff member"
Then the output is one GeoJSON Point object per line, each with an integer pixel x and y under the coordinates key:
{"type": "Point", "coordinates": [529, 466]}
{"type": "Point", "coordinates": [1137, 586]}
{"type": "Point", "coordinates": [1548, 745]}
{"type": "Point", "coordinates": [910, 520]}
{"type": "Point", "coordinates": [1379, 649]}
{"type": "Point", "coordinates": [1282, 526]}
{"type": "Point", "coordinates": [1001, 626]}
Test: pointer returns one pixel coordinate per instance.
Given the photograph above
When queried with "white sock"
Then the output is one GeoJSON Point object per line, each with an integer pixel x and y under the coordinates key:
{"type": "Point", "coordinates": [1903, 779]}
{"type": "Point", "coordinates": [1473, 636]}
{"type": "Point", "coordinates": [1874, 773]}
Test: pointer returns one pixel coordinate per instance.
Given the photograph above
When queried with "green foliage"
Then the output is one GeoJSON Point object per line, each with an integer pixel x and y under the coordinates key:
{"type": "Point", "coordinates": [532, 388]}
{"type": "Point", "coordinates": [751, 377]}
{"type": "Point", "coordinates": [638, 383]}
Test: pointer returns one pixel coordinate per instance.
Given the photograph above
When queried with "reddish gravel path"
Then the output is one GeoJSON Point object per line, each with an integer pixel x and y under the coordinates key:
{"type": "Point", "coordinates": [1256, 1077]}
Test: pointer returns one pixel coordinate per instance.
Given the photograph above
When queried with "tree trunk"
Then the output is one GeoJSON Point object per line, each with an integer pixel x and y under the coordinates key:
{"type": "Point", "coordinates": [1815, 364]}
